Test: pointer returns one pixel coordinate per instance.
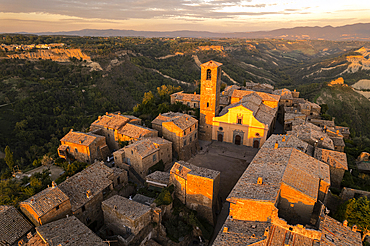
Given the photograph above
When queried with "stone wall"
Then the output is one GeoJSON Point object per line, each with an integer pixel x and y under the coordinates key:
{"type": "Point", "coordinates": [52, 215]}
{"type": "Point", "coordinates": [294, 205]}
{"type": "Point", "coordinates": [119, 222]}
{"type": "Point", "coordinates": [251, 210]}
{"type": "Point", "coordinates": [91, 211]}
{"type": "Point", "coordinates": [336, 176]}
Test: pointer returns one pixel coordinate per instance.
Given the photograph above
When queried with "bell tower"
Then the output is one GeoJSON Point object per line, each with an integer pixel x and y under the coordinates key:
{"type": "Point", "coordinates": [209, 97]}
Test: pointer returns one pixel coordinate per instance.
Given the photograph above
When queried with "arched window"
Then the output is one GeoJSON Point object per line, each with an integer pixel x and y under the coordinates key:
{"type": "Point", "coordinates": [207, 104]}
{"type": "Point", "coordinates": [209, 74]}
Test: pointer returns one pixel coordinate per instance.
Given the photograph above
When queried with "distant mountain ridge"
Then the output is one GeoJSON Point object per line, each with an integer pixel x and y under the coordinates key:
{"type": "Point", "coordinates": [358, 32]}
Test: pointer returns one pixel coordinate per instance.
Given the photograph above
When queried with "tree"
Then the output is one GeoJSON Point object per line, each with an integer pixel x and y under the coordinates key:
{"type": "Point", "coordinates": [356, 212]}
{"type": "Point", "coordinates": [9, 157]}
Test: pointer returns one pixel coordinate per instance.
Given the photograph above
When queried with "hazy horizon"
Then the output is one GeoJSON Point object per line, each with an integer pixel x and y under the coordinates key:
{"type": "Point", "coordinates": [193, 15]}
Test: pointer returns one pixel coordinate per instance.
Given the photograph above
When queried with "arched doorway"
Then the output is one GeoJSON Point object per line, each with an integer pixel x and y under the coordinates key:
{"type": "Point", "coordinates": [256, 144]}
{"type": "Point", "coordinates": [238, 140]}
{"type": "Point", "coordinates": [220, 137]}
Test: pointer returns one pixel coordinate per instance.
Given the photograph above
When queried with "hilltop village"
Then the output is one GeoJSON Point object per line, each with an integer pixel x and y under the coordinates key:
{"type": "Point", "coordinates": [286, 155]}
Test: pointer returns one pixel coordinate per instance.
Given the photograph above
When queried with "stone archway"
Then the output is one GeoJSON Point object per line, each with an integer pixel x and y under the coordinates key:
{"type": "Point", "coordinates": [220, 138]}
{"type": "Point", "coordinates": [237, 140]}
{"type": "Point", "coordinates": [256, 144]}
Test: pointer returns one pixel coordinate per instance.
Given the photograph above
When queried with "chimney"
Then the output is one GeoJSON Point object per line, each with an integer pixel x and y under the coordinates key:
{"type": "Point", "coordinates": [195, 93]}
{"type": "Point", "coordinates": [32, 200]}
{"type": "Point", "coordinates": [53, 184]}
{"type": "Point", "coordinates": [338, 132]}
{"type": "Point", "coordinates": [259, 180]}
{"type": "Point", "coordinates": [80, 141]}
{"type": "Point", "coordinates": [345, 223]}
{"type": "Point", "coordinates": [88, 193]}
{"type": "Point", "coordinates": [71, 130]}
{"type": "Point", "coordinates": [354, 228]}
{"type": "Point", "coordinates": [283, 139]}
{"type": "Point", "coordinates": [276, 145]}
{"type": "Point", "coordinates": [99, 118]}
{"type": "Point", "coordinates": [226, 230]}
{"type": "Point", "coordinates": [106, 113]}
{"type": "Point", "coordinates": [119, 113]}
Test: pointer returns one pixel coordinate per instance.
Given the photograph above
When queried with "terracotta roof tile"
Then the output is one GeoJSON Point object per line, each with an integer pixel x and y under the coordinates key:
{"type": "Point", "coordinates": [332, 158]}
{"type": "Point", "coordinates": [126, 207]}
{"type": "Point", "coordinates": [143, 147]}
{"type": "Point", "coordinates": [80, 138]}
{"type": "Point", "coordinates": [94, 179]}
{"type": "Point", "coordinates": [13, 225]}
{"type": "Point", "coordinates": [113, 121]}
{"type": "Point", "coordinates": [186, 96]}
{"type": "Point", "coordinates": [135, 131]}
{"type": "Point", "coordinates": [68, 231]}
{"type": "Point", "coordinates": [182, 121]}
{"type": "Point", "coordinates": [46, 200]}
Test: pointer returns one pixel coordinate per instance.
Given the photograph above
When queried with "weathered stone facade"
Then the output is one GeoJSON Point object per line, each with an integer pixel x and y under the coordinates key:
{"type": "Point", "coordinates": [197, 188]}
{"type": "Point", "coordinates": [181, 130]}
{"type": "Point", "coordinates": [84, 147]}
{"type": "Point", "coordinates": [125, 216]}
{"type": "Point", "coordinates": [143, 154]}
{"type": "Point", "coordinates": [209, 97]}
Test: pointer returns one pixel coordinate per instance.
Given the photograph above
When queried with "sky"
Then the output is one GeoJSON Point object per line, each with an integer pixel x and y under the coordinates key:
{"type": "Point", "coordinates": [170, 15]}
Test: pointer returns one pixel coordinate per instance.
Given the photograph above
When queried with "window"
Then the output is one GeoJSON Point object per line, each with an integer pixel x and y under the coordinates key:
{"type": "Point", "coordinates": [57, 207]}
{"type": "Point", "coordinates": [195, 105]}
{"type": "Point", "coordinates": [257, 134]}
{"type": "Point", "coordinates": [207, 104]}
{"type": "Point", "coordinates": [118, 180]}
{"type": "Point", "coordinates": [154, 158]}
{"type": "Point", "coordinates": [185, 132]}
{"type": "Point", "coordinates": [220, 128]}
{"type": "Point", "coordinates": [83, 208]}
{"type": "Point", "coordinates": [240, 121]}
{"type": "Point", "coordinates": [195, 136]}
{"type": "Point", "coordinates": [184, 142]}
{"type": "Point", "coordinates": [76, 150]}
{"type": "Point", "coordinates": [132, 152]}
{"type": "Point", "coordinates": [190, 140]}
{"type": "Point", "coordinates": [209, 74]}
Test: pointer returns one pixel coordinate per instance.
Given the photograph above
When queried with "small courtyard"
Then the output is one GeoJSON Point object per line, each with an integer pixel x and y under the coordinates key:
{"type": "Point", "coordinates": [229, 159]}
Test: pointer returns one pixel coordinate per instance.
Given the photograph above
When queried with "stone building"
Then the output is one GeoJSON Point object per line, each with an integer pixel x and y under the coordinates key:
{"type": "Point", "coordinates": [288, 141]}
{"type": "Point", "coordinates": [292, 117]}
{"type": "Point", "coordinates": [191, 100]}
{"type": "Point", "coordinates": [87, 189]}
{"type": "Point", "coordinates": [209, 97]}
{"type": "Point", "coordinates": [338, 143]}
{"type": "Point", "coordinates": [108, 125]}
{"type": "Point", "coordinates": [247, 122]}
{"type": "Point", "coordinates": [143, 154]}
{"type": "Point", "coordinates": [84, 147]}
{"type": "Point", "coordinates": [273, 202]}
{"type": "Point", "coordinates": [13, 226]}
{"type": "Point", "coordinates": [68, 231]}
{"type": "Point", "coordinates": [337, 162]}
{"type": "Point", "coordinates": [286, 97]}
{"type": "Point", "coordinates": [181, 130]}
{"type": "Point", "coordinates": [270, 100]}
{"type": "Point", "coordinates": [125, 217]}
{"type": "Point", "coordinates": [132, 133]}
{"type": "Point", "coordinates": [197, 188]}
{"type": "Point", "coordinates": [46, 206]}
{"type": "Point", "coordinates": [284, 181]}
{"type": "Point", "coordinates": [313, 135]}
